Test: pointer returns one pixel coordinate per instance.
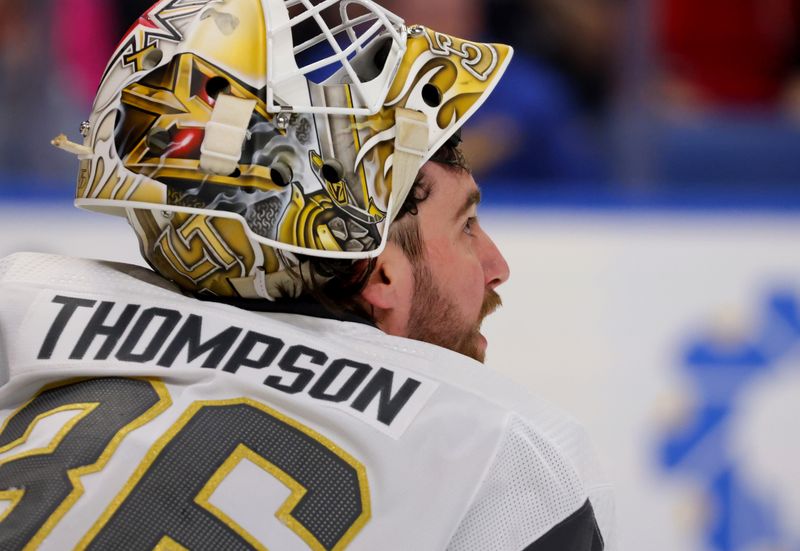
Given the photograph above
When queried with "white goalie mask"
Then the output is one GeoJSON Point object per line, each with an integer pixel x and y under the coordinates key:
{"type": "Point", "coordinates": [214, 135]}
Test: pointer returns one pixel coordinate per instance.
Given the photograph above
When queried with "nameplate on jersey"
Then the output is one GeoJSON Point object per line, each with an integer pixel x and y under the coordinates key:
{"type": "Point", "coordinates": [81, 330]}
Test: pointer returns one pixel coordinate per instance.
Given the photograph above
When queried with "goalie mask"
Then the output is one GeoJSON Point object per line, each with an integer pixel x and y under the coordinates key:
{"type": "Point", "coordinates": [232, 158]}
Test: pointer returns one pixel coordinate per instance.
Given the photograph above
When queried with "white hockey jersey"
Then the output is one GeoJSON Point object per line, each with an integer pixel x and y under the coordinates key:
{"type": "Point", "coordinates": [134, 417]}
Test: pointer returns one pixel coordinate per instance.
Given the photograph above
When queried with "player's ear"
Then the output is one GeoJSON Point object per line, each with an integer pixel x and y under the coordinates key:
{"type": "Point", "coordinates": [389, 290]}
{"type": "Point", "coordinates": [385, 285]}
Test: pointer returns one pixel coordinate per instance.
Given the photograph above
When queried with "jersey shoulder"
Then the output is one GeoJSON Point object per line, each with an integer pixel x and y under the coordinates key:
{"type": "Point", "coordinates": [81, 275]}
{"type": "Point", "coordinates": [543, 481]}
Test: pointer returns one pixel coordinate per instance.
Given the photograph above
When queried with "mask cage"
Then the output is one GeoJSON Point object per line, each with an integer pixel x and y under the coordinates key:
{"type": "Point", "coordinates": [325, 44]}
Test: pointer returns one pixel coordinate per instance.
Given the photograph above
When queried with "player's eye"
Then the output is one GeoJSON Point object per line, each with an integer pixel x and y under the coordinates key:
{"type": "Point", "coordinates": [469, 227]}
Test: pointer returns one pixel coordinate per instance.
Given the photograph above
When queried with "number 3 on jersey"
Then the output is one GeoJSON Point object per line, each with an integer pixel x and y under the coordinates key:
{"type": "Point", "coordinates": [166, 502]}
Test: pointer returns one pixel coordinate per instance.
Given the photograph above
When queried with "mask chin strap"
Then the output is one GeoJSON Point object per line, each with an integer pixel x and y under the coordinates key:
{"type": "Point", "coordinates": [225, 134]}
{"type": "Point", "coordinates": [254, 286]}
{"type": "Point", "coordinates": [410, 150]}
{"type": "Point", "coordinates": [280, 285]}
{"type": "Point", "coordinates": [220, 154]}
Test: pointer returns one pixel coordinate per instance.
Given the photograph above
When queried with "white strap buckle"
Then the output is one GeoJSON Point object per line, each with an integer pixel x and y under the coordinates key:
{"type": "Point", "coordinates": [253, 287]}
{"type": "Point", "coordinates": [225, 135]}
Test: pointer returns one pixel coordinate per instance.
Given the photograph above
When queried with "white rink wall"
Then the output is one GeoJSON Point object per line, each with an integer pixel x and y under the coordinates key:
{"type": "Point", "coordinates": [608, 316]}
{"type": "Point", "coordinates": [673, 337]}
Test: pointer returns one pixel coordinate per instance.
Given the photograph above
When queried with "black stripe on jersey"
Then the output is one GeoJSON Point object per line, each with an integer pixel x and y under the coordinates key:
{"type": "Point", "coordinates": [578, 532]}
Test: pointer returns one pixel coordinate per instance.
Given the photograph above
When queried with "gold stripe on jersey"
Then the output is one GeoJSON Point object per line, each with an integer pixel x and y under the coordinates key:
{"type": "Point", "coordinates": [13, 496]}
{"type": "Point", "coordinates": [85, 409]}
{"type": "Point", "coordinates": [169, 544]}
{"type": "Point", "coordinates": [73, 474]}
{"type": "Point", "coordinates": [242, 452]}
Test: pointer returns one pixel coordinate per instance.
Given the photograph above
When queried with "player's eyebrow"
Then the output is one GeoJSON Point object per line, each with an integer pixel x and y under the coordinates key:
{"type": "Point", "coordinates": [473, 199]}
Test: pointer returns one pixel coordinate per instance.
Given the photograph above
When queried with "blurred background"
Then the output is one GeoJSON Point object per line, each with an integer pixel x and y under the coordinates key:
{"type": "Point", "coordinates": [641, 167]}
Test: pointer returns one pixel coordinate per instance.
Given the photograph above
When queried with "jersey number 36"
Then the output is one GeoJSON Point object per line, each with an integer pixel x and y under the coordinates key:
{"type": "Point", "coordinates": [165, 504]}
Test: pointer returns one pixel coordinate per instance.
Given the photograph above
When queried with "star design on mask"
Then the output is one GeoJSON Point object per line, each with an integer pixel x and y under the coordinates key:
{"type": "Point", "coordinates": [167, 112]}
{"type": "Point", "coordinates": [170, 100]}
{"type": "Point", "coordinates": [156, 24]}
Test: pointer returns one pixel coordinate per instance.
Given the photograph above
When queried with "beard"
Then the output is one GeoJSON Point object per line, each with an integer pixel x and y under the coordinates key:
{"type": "Point", "coordinates": [435, 318]}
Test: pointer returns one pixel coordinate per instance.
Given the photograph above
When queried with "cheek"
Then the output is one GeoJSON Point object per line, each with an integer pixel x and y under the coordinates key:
{"type": "Point", "coordinates": [460, 275]}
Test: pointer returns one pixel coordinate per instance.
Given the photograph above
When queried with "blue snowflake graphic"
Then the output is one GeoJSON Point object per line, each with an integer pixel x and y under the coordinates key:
{"type": "Point", "coordinates": [740, 518]}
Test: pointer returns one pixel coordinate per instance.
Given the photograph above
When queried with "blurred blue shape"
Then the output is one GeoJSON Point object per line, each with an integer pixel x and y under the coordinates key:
{"type": "Point", "coordinates": [720, 373]}
{"type": "Point", "coordinates": [733, 150]}
{"type": "Point", "coordinates": [20, 186]}
{"type": "Point", "coordinates": [551, 142]}
{"type": "Point", "coordinates": [603, 195]}
{"type": "Point", "coordinates": [741, 521]}
{"type": "Point", "coordinates": [694, 444]}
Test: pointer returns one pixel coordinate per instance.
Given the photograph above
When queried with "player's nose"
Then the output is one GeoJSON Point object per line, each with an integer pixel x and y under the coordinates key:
{"type": "Point", "coordinates": [495, 267]}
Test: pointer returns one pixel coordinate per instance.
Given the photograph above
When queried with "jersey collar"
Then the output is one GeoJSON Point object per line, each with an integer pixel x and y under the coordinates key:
{"type": "Point", "coordinates": [301, 307]}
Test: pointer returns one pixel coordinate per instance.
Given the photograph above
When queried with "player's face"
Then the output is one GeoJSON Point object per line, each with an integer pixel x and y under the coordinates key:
{"type": "Point", "coordinates": [455, 282]}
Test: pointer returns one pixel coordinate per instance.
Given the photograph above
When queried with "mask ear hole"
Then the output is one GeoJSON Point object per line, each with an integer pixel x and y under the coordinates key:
{"type": "Point", "coordinates": [281, 174]}
{"type": "Point", "coordinates": [370, 64]}
{"type": "Point", "coordinates": [382, 54]}
{"type": "Point", "coordinates": [333, 171]}
{"type": "Point", "coordinates": [431, 95]}
{"type": "Point", "coordinates": [216, 85]}
{"type": "Point", "coordinates": [152, 59]}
